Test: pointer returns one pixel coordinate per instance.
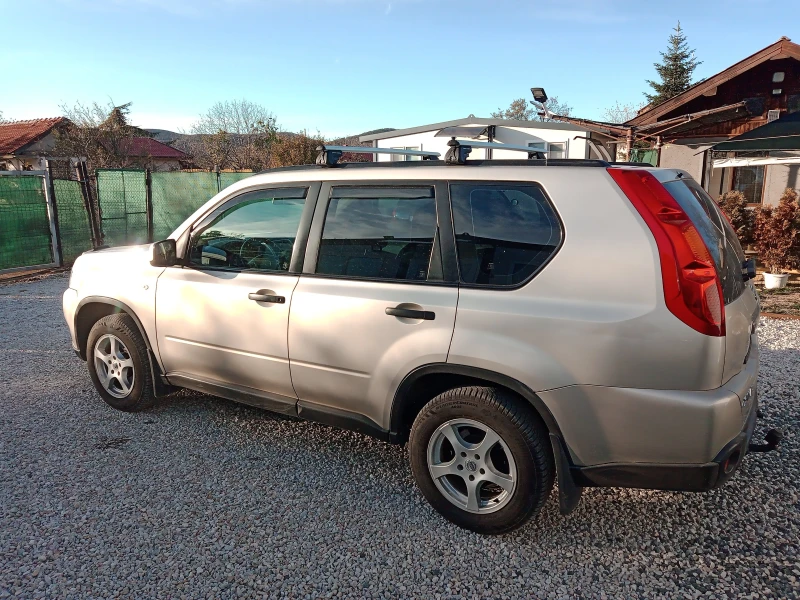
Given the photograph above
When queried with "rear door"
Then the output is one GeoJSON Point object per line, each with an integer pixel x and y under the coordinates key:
{"type": "Point", "coordinates": [377, 298]}
{"type": "Point", "coordinates": [741, 302]}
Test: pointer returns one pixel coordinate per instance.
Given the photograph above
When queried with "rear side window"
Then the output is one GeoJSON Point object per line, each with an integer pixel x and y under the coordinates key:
{"type": "Point", "coordinates": [717, 233]}
{"type": "Point", "coordinates": [505, 233]}
{"type": "Point", "coordinates": [380, 233]}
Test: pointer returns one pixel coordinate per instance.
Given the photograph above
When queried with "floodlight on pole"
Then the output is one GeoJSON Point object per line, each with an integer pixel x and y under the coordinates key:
{"type": "Point", "coordinates": [540, 97]}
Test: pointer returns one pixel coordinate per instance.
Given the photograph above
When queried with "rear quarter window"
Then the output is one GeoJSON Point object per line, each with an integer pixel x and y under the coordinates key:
{"type": "Point", "coordinates": [505, 232]}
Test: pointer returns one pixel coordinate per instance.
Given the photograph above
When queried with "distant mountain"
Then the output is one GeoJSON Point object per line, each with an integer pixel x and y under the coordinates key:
{"type": "Point", "coordinates": [374, 131]}
{"type": "Point", "coordinates": [164, 136]}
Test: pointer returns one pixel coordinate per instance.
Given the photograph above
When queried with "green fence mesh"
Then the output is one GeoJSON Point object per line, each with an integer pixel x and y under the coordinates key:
{"type": "Point", "coordinates": [176, 196]}
{"type": "Point", "coordinates": [24, 224]}
{"type": "Point", "coordinates": [644, 155]}
{"type": "Point", "coordinates": [226, 179]}
{"type": "Point", "coordinates": [123, 209]}
{"type": "Point", "coordinates": [73, 222]}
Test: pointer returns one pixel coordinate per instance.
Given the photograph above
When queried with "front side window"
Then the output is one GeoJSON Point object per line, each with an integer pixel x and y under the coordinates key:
{"type": "Point", "coordinates": [257, 232]}
{"type": "Point", "coordinates": [379, 233]}
{"type": "Point", "coordinates": [504, 232]}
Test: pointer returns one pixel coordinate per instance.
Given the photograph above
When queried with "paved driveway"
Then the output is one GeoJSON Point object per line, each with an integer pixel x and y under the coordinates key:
{"type": "Point", "coordinates": [202, 498]}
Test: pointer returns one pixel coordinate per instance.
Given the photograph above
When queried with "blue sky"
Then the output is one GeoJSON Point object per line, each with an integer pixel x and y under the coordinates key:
{"type": "Point", "coordinates": [346, 66]}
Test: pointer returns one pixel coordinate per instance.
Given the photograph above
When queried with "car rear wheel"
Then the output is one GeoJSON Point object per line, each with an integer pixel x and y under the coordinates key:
{"type": "Point", "coordinates": [481, 457]}
{"type": "Point", "coordinates": [119, 365]}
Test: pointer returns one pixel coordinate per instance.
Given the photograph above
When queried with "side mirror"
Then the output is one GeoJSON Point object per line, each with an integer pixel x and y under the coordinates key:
{"type": "Point", "coordinates": [165, 254]}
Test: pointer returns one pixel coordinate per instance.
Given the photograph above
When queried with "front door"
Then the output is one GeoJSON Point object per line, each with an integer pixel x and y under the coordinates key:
{"type": "Point", "coordinates": [375, 300]}
{"type": "Point", "coordinates": [222, 318]}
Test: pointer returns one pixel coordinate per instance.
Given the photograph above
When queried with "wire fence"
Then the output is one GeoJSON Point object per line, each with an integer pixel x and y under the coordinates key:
{"type": "Point", "coordinates": [114, 207]}
{"type": "Point", "coordinates": [74, 227]}
{"type": "Point", "coordinates": [138, 206]}
{"type": "Point", "coordinates": [24, 222]}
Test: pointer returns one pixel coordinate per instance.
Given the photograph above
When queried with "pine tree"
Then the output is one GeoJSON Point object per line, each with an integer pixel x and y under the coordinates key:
{"type": "Point", "coordinates": [675, 71]}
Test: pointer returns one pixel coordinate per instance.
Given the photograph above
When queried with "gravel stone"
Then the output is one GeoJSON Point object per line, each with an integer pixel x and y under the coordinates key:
{"type": "Point", "coordinates": [203, 498]}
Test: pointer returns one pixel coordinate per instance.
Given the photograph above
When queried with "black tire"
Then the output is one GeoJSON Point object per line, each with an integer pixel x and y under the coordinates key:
{"type": "Point", "coordinates": [141, 395]}
{"type": "Point", "coordinates": [520, 428]}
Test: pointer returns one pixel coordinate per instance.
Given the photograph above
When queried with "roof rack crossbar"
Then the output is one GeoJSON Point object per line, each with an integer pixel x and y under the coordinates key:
{"type": "Point", "coordinates": [459, 150]}
{"type": "Point", "coordinates": [329, 155]}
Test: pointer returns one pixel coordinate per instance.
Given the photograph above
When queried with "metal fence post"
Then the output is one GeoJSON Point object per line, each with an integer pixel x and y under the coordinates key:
{"type": "Point", "coordinates": [94, 225]}
{"type": "Point", "coordinates": [148, 203]}
{"type": "Point", "coordinates": [219, 183]}
{"type": "Point", "coordinates": [52, 215]}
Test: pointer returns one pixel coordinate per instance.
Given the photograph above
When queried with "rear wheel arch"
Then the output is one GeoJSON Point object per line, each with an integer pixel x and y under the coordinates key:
{"type": "Point", "coordinates": [426, 382]}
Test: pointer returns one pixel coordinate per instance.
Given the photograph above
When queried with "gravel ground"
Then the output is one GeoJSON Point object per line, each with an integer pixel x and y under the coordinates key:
{"type": "Point", "coordinates": [202, 498]}
{"type": "Point", "coordinates": [785, 301]}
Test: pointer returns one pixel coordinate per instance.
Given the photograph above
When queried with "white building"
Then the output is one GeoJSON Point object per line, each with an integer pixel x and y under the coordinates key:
{"type": "Point", "coordinates": [560, 140]}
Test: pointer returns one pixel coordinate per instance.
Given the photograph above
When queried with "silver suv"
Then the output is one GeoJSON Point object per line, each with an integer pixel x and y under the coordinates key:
{"type": "Point", "coordinates": [516, 322]}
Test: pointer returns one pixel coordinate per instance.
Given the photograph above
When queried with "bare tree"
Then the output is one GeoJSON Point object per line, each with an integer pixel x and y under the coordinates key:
{"type": "Point", "coordinates": [235, 134]}
{"type": "Point", "coordinates": [295, 149]}
{"type": "Point", "coordinates": [622, 113]}
{"type": "Point", "coordinates": [100, 134]}
{"type": "Point", "coordinates": [528, 110]}
{"type": "Point", "coordinates": [519, 110]}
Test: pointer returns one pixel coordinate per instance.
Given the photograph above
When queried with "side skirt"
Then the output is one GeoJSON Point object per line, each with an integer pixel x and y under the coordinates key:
{"type": "Point", "coordinates": [273, 402]}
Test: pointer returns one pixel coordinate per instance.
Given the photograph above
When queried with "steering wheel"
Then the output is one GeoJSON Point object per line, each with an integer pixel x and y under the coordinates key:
{"type": "Point", "coordinates": [266, 252]}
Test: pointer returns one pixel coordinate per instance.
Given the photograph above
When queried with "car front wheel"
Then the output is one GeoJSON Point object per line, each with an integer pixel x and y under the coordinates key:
{"type": "Point", "coordinates": [118, 363]}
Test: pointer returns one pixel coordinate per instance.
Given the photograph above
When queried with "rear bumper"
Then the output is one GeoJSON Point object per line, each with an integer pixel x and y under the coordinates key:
{"type": "Point", "coordinates": [680, 477]}
{"type": "Point", "coordinates": [604, 426]}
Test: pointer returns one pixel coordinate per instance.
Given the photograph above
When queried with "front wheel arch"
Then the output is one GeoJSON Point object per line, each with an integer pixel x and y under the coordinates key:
{"type": "Point", "coordinates": [93, 308]}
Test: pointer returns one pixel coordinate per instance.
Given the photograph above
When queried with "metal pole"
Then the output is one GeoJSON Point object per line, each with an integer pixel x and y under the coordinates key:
{"type": "Point", "coordinates": [659, 145]}
{"type": "Point", "coordinates": [55, 227]}
{"type": "Point", "coordinates": [629, 139]}
{"type": "Point", "coordinates": [52, 217]}
{"type": "Point", "coordinates": [148, 203]}
{"type": "Point", "coordinates": [83, 186]}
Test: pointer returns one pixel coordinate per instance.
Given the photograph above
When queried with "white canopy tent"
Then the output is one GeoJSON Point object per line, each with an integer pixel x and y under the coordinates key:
{"type": "Point", "coordinates": [754, 161]}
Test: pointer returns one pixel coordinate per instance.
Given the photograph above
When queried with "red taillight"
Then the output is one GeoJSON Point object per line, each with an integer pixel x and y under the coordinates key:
{"type": "Point", "coordinates": [692, 287]}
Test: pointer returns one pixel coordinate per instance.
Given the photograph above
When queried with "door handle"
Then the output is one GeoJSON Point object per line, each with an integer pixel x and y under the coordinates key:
{"type": "Point", "coordinates": [267, 298]}
{"type": "Point", "coordinates": [408, 313]}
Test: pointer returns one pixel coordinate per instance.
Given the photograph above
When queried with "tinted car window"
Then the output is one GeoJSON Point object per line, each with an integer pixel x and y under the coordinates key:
{"type": "Point", "coordinates": [257, 232]}
{"type": "Point", "coordinates": [504, 232]}
{"type": "Point", "coordinates": [717, 233]}
{"type": "Point", "coordinates": [379, 233]}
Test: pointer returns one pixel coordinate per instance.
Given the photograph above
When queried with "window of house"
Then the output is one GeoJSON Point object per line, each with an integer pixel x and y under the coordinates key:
{"type": "Point", "coordinates": [504, 233]}
{"type": "Point", "coordinates": [557, 150]}
{"type": "Point", "coordinates": [380, 233]}
{"type": "Point", "coordinates": [404, 157]}
{"type": "Point", "coordinates": [540, 146]}
{"type": "Point", "coordinates": [749, 181]}
{"type": "Point", "coordinates": [257, 232]}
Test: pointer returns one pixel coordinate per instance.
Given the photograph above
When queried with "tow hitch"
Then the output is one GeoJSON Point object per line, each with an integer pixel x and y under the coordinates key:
{"type": "Point", "coordinates": [772, 439]}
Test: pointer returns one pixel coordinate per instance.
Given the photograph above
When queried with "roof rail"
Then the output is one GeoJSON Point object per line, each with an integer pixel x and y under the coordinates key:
{"type": "Point", "coordinates": [459, 150]}
{"type": "Point", "coordinates": [329, 155]}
